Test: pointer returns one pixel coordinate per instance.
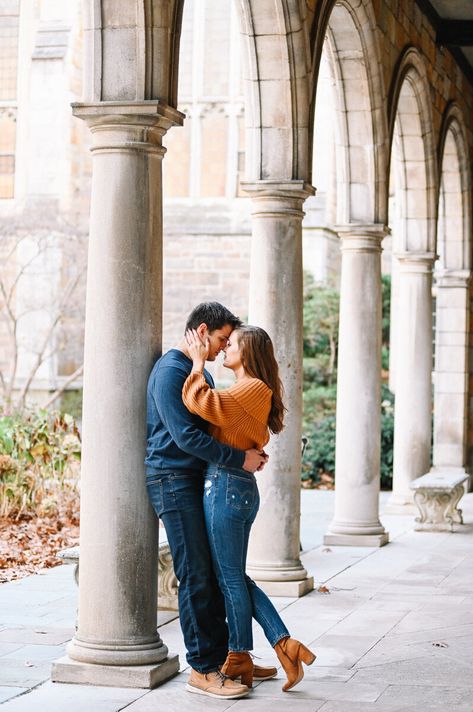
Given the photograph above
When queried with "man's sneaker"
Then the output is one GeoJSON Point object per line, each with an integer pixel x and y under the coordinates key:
{"type": "Point", "coordinates": [261, 672]}
{"type": "Point", "coordinates": [215, 684]}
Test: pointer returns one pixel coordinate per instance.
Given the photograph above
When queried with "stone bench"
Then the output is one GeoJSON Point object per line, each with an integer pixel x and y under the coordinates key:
{"type": "Point", "coordinates": [436, 495]}
{"type": "Point", "coordinates": [167, 581]}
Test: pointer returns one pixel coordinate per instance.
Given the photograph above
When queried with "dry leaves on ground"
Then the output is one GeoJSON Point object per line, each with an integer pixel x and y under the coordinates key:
{"type": "Point", "coordinates": [28, 545]}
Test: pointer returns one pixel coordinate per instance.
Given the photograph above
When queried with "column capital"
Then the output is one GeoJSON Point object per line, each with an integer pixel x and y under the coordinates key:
{"type": "Point", "coordinates": [453, 278]}
{"type": "Point", "coordinates": [128, 125]}
{"type": "Point", "coordinates": [362, 237]}
{"type": "Point", "coordinates": [275, 197]}
{"type": "Point", "coordinates": [420, 262]}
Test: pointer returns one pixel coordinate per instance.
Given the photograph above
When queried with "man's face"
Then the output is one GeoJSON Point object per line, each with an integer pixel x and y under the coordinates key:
{"type": "Point", "coordinates": [218, 340]}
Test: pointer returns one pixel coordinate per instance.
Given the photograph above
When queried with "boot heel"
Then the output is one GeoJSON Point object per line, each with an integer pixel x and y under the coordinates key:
{"type": "Point", "coordinates": [247, 678]}
{"type": "Point", "coordinates": [306, 655]}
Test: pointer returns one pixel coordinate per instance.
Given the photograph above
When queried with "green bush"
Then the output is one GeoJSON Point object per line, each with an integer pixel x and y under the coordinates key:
{"type": "Point", "coordinates": [319, 456]}
{"type": "Point", "coordinates": [39, 453]}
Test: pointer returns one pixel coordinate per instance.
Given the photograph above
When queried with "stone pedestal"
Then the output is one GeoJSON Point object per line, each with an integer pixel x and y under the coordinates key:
{"type": "Point", "coordinates": [356, 520]}
{"type": "Point", "coordinates": [276, 305]}
{"type": "Point", "coordinates": [117, 640]}
{"type": "Point", "coordinates": [413, 403]}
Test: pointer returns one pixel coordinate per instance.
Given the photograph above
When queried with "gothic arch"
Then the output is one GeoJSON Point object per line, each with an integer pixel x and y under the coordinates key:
{"type": "Point", "coordinates": [362, 139]}
{"type": "Point", "coordinates": [276, 70]}
{"type": "Point", "coordinates": [454, 209]}
{"type": "Point", "coordinates": [412, 136]}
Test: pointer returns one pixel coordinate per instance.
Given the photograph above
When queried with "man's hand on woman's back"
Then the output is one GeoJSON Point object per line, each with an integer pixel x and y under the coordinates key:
{"type": "Point", "coordinates": [255, 460]}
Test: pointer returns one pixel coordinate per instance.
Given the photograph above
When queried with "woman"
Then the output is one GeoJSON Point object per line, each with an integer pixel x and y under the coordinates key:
{"type": "Point", "coordinates": [242, 416]}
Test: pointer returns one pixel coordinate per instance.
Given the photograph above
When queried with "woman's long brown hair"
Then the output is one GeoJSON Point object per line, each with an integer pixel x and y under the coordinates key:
{"type": "Point", "coordinates": [259, 361]}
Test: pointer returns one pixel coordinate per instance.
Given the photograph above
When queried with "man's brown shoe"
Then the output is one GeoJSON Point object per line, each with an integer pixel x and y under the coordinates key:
{"type": "Point", "coordinates": [239, 666]}
{"type": "Point", "coordinates": [261, 672]}
{"type": "Point", "coordinates": [215, 684]}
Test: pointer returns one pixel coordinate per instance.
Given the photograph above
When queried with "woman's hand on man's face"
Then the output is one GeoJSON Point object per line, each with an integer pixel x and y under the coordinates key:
{"type": "Point", "coordinates": [198, 350]}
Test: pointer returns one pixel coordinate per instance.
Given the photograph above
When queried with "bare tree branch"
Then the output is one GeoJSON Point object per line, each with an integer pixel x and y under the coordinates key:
{"type": "Point", "coordinates": [78, 372]}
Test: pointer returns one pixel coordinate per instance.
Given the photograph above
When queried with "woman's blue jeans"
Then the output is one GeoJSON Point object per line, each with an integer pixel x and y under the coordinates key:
{"type": "Point", "coordinates": [231, 502]}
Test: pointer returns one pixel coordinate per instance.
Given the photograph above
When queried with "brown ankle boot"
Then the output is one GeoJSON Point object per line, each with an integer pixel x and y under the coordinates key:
{"type": "Point", "coordinates": [292, 654]}
{"type": "Point", "coordinates": [239, 665]}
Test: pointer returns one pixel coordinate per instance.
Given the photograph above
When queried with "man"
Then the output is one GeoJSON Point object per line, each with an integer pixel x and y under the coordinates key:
{"type": "Point", "coordinates": [178, 450]}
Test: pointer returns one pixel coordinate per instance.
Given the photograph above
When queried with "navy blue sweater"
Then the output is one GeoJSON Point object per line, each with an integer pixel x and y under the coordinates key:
{"type": "Point", "coordinates": [177, 440]}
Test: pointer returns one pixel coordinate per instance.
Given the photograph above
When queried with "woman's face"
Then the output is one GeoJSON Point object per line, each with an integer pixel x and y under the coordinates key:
{"type": "Point", "coordinates": [232, 357]}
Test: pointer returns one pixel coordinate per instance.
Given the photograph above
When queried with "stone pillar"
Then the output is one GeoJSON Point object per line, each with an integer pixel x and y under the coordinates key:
{"type": "Point", "coordinates": [451, 370]}
{"type": "Point", "coordinates": [413, 400]}
{"type": "Point", "coordinates": [357, 471]}
{"type": "Point", "coordinates": [117, 642]}
{"type": "Point", "coordinates": [276, 305]}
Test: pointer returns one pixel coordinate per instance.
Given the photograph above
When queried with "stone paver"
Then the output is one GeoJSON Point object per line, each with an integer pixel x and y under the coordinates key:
{"type": "Point", "coordinates": [394, 633]}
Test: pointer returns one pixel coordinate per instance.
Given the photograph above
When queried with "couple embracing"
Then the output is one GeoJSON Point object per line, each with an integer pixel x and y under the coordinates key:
{"type": "Point", "coordinates": [203, 448]}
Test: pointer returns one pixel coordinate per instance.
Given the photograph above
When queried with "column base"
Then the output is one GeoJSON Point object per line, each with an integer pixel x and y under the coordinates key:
{"type": "Point", "coordinates": [146, 676]}
{"type": "Point", "coordinates": [401, 504]}
{"type": "Point", "coordinates": [356, 539]}
{"type": "Point", "coordinates": [289, 589]}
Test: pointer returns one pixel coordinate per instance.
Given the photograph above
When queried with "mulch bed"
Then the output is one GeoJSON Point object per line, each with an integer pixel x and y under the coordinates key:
{"type": "Point", "coordinates": [31, 544]}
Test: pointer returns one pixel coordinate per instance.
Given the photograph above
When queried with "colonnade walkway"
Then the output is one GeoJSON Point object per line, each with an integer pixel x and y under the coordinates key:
{"type": "Point", "coordinates": [394, 631]}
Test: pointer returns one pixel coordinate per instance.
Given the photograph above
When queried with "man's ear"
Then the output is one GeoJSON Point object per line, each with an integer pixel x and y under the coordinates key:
{"type": "Point", "coordinates": [202, 330]}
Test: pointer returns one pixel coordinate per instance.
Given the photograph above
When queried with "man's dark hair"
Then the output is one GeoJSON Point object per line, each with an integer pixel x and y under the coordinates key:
{"type": "Point", "coordinates": [215, 315]}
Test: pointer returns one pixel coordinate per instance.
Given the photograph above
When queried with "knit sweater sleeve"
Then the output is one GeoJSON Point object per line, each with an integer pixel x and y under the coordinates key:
{"type": "Point", "coordinates": [216, 407]}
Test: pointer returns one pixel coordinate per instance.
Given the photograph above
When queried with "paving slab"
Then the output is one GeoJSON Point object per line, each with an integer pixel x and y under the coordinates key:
{"type": "Point", "coordinates": [317, 689]}
{"type": "Point", "coordinates": [17, 673]}
{"type": "Point", "coordinates": [433, 670]}
{"type": "Point", "coordinates": [36, 653]}
{"type": "Point", "coordinates": [43, 635]}
{"type": "Point", "coordinates": [428, 698]}
{"type": "Point", "coordinates": [7, 693]}
{"type": "Point", "coordinates": [6, 648]}
{"type": "Point", "coordinates": [55, 697]}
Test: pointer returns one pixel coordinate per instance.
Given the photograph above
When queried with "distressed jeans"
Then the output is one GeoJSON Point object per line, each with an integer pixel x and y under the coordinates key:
{"type": "Point", "coordinates": [177, 500]}
{"type": "Point", "coordinates": [231, 502]}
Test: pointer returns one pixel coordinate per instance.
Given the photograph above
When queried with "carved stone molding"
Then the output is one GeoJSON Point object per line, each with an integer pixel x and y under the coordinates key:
{"type": "Point", "coordinates": [438, 508]}
{"type": "Point", "coordinates": [167, 581]}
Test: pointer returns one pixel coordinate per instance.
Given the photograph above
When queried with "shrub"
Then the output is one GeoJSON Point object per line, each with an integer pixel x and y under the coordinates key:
{"type": "Point", "coordinates": [39, 453]}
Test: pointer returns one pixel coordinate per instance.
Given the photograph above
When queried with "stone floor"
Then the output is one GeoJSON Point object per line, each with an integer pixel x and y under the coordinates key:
{"type": "Point", "coordinates": [394, 633]}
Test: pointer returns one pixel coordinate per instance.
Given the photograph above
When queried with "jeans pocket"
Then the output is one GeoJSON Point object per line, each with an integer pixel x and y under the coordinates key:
{"type": "Point", "coordinates": [241, 493]}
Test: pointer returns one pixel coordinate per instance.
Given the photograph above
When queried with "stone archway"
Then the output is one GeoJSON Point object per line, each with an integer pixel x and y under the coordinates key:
{"type": "Point", "coordinates": [360, 166]}
{"type": "Point", "coordinates": [414, 171]}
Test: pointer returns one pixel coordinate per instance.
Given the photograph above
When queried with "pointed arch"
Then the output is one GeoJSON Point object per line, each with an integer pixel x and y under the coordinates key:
{"type": "Point", "coordinates": [454, 198]}
{"type": "Point", "coordinates": [276, 69]}
{"type": "Point", "coordinates": [412, 137]}
{"type": "Point", "coordinates": [362, 150]}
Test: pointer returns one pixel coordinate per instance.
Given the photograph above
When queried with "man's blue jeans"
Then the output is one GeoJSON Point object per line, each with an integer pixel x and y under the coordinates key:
{"type": "Point", "coordinates": [231, 502]}
{"type": "Point", "coordinates": [177, 500]}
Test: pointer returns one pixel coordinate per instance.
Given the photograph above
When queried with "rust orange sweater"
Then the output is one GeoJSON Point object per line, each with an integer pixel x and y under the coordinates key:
{"type": "Point", "coordinates": [238, 415]}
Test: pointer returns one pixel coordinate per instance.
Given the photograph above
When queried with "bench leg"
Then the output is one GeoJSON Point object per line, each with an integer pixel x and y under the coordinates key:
{"type": "Point", "coordinates": [438, 509]}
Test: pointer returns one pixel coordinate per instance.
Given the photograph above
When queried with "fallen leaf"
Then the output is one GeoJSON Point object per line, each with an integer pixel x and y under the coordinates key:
{"type": "Point", "coordinates": [323, 589]}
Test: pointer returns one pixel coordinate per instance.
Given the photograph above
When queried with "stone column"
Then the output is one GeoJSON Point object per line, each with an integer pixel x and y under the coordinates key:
{"type": "Point", "coordinates": [117, 642]}
{"type": "Point", "coordinates": [413, 400]}
{"type": "Point", "coordinates": [451, 369]}
{"type": "Point", "coordinates": [276, 305]}
{"type": "Point", "coordinates": [357, 471]}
